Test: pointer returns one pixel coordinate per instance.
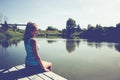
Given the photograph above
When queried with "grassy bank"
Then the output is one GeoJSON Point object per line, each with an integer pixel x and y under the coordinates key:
{"type": "Point", "coordinates": [49, 33]}
{"type": "Point", "coordinates": [18, 34]}
{"type": "Point", "coordinates": [10, 34]}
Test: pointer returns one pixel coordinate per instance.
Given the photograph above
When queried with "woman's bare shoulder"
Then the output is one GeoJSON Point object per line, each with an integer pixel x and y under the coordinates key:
{"type": "Point", "coordinates": [32, 41]}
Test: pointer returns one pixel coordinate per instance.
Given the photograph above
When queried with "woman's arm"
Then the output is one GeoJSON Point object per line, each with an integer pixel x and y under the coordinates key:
{"type": "Point", "coordinates": [34, 46]}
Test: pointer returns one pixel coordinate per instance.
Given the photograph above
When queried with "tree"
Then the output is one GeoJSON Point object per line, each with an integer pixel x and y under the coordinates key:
{"type": "Point", "coordinates": [70, 26]}
{"type": "Point", "coordinates": [50, 28]}
{"type": "Point", "coordinates": [117, 30]}
{"type": "Point", "coordinates": [78, 28]}
{"type": "Point", "coordinates": [5, 26]}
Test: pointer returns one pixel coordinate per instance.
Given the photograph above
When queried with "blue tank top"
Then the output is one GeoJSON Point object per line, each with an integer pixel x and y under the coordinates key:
{"type": "Point", "coordinates": [30, 58]}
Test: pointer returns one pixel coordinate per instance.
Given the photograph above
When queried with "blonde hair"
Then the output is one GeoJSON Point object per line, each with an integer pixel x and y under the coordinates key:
{"type": "Point", "coordinates": [29, 28]}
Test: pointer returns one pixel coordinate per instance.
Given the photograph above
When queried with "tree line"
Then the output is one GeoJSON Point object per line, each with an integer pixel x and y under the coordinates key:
{"type": "Point", "coordinates": [92, 33]}
{"type": "Point", "coordinates": [100, 33]}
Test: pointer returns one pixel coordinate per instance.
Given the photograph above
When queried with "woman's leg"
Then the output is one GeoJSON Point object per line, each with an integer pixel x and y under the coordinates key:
{"type": "Point", "coordinates": [47, 65]}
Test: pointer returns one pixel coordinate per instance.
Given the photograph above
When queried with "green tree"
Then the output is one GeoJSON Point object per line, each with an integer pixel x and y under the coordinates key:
{"type": "Point", "coordinates": [117, 31]}
{"type": "Point", "coordinates": [5, 26]}
{"type": "Point", "coordinates": [70, 26]}
{"type": "Point", "coordinates": [51, 28]}
{"type": "Point", "coordinates": [78, 28]}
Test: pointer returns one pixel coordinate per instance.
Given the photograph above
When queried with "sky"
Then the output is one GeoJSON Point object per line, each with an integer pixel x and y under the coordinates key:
{"type": "Point", "coordinates": [56, 12]}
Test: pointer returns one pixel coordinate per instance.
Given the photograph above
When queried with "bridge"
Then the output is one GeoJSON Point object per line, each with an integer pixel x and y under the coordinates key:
{"type": "Point", "coordinates": [15, 24]}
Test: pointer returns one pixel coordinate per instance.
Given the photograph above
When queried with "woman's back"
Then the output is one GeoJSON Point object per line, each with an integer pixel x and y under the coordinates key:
{"type": "Point", "coordinates": [30, 58]}
{"type": "Point", "coordinates": [33, 59]}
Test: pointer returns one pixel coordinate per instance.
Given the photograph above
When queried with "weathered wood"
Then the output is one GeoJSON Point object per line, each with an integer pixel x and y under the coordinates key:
{"type": "Point", "coordinates": [39, 76]}
{"type": "Point", "coordinates": [35, 77]}
{"type": "Point", "coordinates": [12, 69]}
{"type": "Point", "coordinates": [54, 76]}
{"type": "Point", "coordinates": [26, 78]}
{"type": "Point", "coordinates": [44, 76]}
{"type": "Point", "coordinates": [20, 67]}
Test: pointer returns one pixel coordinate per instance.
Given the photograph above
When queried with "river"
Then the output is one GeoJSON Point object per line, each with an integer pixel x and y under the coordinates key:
{"type": "Point", "coordinates": [74, 59]}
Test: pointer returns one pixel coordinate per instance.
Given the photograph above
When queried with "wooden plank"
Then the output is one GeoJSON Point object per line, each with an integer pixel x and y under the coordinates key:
{"type": "Point", "coordinates": [1, 70]}
{"type": "Point", "coordinates": [23, 65]}
{"type": "Point", "coordinates": [44, 77]}
{"type": "Point", "coordinates": [35, 77]}
{"type": "Point", "coordinates": [54, 76]}
{"type": "Point", "coordinates": [19, 67]}
{"type": "Point", "coordinates": [40, 76]}
{"type": "Point", "coordinates": [12, 69]}
{"type": "Point", "coordinates": [4, 71]}
{"type": "Point", "coordinates": [24, 78]}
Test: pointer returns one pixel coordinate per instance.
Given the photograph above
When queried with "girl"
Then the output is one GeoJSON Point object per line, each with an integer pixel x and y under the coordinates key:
{"type": "Point", "coordinates": [32, 59]}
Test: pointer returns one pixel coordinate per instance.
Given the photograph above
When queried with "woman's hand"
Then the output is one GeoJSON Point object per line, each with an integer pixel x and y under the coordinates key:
{"type": "Point", "coordinates": [46, 70]}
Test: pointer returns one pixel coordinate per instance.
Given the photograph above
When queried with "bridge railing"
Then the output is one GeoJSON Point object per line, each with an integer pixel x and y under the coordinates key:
{"type": "Point", "coordinates": [15, 24]}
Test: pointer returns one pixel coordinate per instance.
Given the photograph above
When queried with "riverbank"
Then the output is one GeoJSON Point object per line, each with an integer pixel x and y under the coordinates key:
{"type": "Point", "coordinates": [10, 34]}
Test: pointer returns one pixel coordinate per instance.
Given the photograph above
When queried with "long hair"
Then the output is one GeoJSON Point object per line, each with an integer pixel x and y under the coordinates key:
{"type": "Point", "coordinates": [29, 28]}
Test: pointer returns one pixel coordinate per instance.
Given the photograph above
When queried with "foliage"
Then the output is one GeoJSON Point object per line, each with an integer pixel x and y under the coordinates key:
{"type": "Point", "coordinates": [71, 29]}
{"type": "Point", "coordinates": [70, 24]}
{"type": "Point", "coordinates": [49, 33]}
{"type": "Point", "coordinates": [10, 34]}
{"type": "Point", "coordinates": [102, 33]}
{"type": "Point", "coordinates": [51, 28]}
{"type": "Point", "coordinates": [5, 26]}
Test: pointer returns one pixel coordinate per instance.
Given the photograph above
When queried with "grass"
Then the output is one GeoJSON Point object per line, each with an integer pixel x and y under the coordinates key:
{"type": "Point", "coordinates": [17, 34]}
{"type": "Point", "coordinates": [10, 34]}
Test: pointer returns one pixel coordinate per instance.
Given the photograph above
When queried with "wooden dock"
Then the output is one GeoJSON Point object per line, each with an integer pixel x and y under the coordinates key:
{"type": "Point", "coordinates": [18, 73]}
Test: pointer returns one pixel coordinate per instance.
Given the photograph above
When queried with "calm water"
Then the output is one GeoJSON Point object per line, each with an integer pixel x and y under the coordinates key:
{"type": "Point", "coordinates": [74, 59]}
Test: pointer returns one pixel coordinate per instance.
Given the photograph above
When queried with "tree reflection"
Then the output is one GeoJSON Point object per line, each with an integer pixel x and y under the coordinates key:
{"type": "Point", "coordinates": [117, 47]}
{"type": "Point", "coordinates": [93, 44]}
{"type": "Point", "coordinates": [51, 41]}
{"type": "Point", "coordinates": [108, 44]}
{"type": "Point", "coordinates": [71, 44]}
{"type": "Point", "coordinates": [5, 44]}
{"type": "Point", "coordinates": [78, 42]}
{"type": "Point", "coordinates": [9, 43]}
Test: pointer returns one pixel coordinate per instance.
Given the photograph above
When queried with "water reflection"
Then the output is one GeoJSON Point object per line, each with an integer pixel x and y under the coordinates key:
{"type": "Point", "coordinates": [5, 44]}
{"type": "Point", "coordinates": [7, 59]}
{"type": "Point", "coordinates": [71, 44]}
{"type": "Point", "coordinates": [96, 45]}
{"type": "Point", "coordinates": [51, 41]}
{"type": "Point", "coordinates": [10, 42]}
{"type": "Point", "coordinates": [78, 49]}
{"type": "Point", "coordinates": [117, 47]}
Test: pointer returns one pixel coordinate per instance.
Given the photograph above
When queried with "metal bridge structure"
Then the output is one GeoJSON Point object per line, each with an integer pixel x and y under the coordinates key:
{"type": "Point", "coordinates": [15, 24]}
